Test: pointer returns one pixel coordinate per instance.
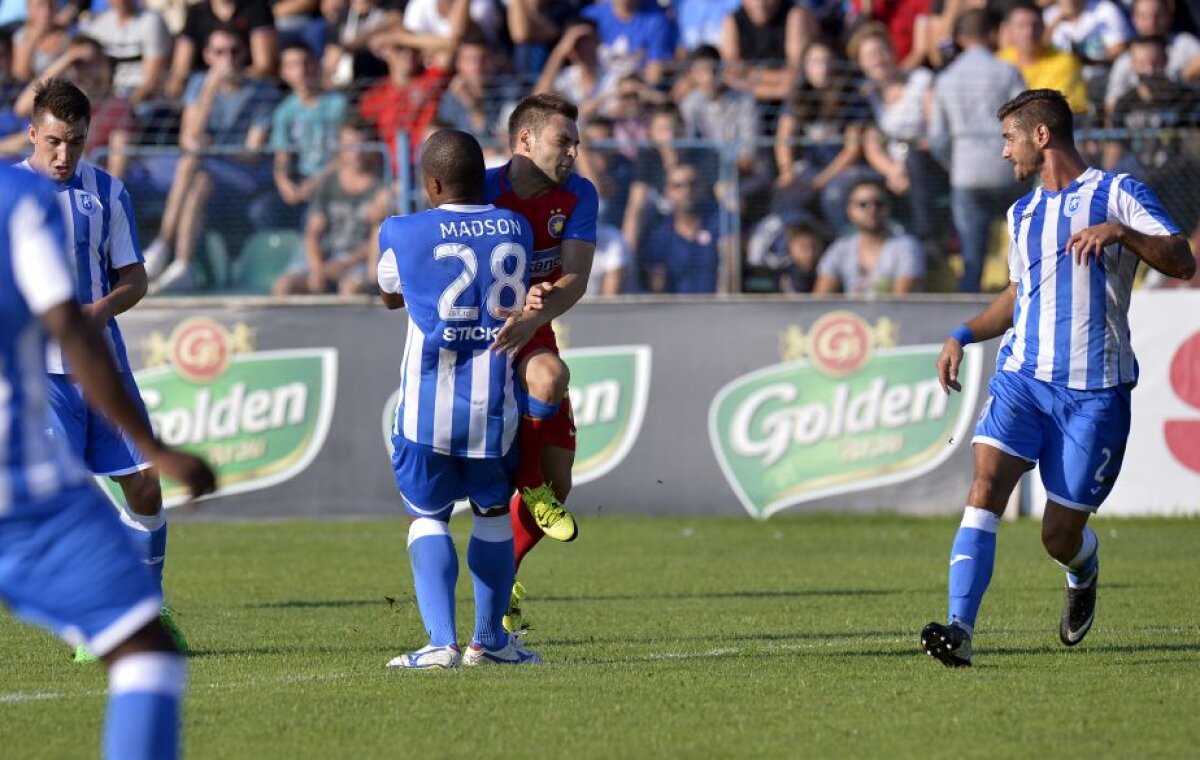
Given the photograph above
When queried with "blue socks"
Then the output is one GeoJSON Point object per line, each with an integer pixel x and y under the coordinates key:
{"type": "Point", "coordinates": [972, 559]}
{"type": "Point", "coordinates": [149, 536]}
{"type": "Point", "coordinates": [145, 689]}
{"type": "Point", "coordinates": [1081, 570]}
{"type": "Point", "coordinates": [490, 558]}
{"type": "Point", "coordinates": [435, 573]}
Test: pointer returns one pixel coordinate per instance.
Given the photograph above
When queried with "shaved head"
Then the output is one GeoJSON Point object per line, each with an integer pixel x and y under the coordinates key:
{"type": "Point", "coordinates": [454, 159]}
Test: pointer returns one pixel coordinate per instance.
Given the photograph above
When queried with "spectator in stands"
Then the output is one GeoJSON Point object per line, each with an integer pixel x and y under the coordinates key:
{"type": "Point", "coordinates": [804, 246]}
{"type": "Point", "coordinates": [818, 145]}
{"type": "Point", "coordinates": [647, 203]}
{"type": "Point", "coordinates": [12, 15]}
{"type": "Point", "coordinates": [762, 43]}
{"type": "Point", "coordinates": [14, 138]}
{"type": "Point", "coordinates": [1152, 18]}
{"type": "Point", "coordinates": [173, 13]}
{"type": "Point", "coordinates": [964, 137]}
{"type": "Point", "coordinates": [536, 27]}
{"type": "Point", "coordinates": [701, 21]}
{"type": "Point", "coordinates": [406, 101]}
{"type": "Point", "coordinates": [304, 127]}
{"type": "Point", "coordinates": [1094, 30]}
{"type": "Point", "coordinates": [608, 169]}
{"type": "Point", "coordinates": [713, 111]}
{"type": "Point", "coordinates": [223, 108]}
{"type": "Point", "coordinates": [684, 253]}
{"type": "Point", "coordinates": [354, 26]}
{"type": "Point", "coordinates": [1155, 107]}
{"type": "Point", "coordinates": [635, 36]}
{"type": "Point", "coordinates": [611, 262]}
{"type": "Point", "coordinates": [39, 41]}
{"type": "Point", "coordinates": [346, 210]}
{"type": "Point", "coordinates": [138, 42]}
{"type": "Point", "coordinates": [895, 146]}
{"type": "Point", "coordinates": [476, 100]}
{"type": "Point", "coordinates": [629, 106]}
{"type": "Point", "coordinates": [899, 19]}
{"type": "Point", "coordinates": [252, 20]}
{"type": "Point", "coordinates": [875, 258]}
{"type": "Point", "coordinates": [113, 125]}
{"type": "Point", "coordinates": [573, 68]}
{"type": "Point", "coordinates": [300, 21]}
{"type": "Point", "coordinates": [435, 28]}
{"type": "Point", "coordinates": [1041, 66]}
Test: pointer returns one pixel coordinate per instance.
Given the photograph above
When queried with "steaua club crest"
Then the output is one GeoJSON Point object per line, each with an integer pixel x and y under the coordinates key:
{"type": "Point", "coordinates": [558, 222]}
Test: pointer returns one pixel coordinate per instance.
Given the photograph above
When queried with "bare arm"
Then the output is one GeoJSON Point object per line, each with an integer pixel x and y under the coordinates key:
{"type": "Point", "coordinates": [905, 285]}
{"type": "Point", "coordinates": [24, 105]}
{"type": "Point", "coordinates": [153, 71]}
{"type": "Point", "coordinates": [264, 49]}
{"type": "Point", "coordinates": [93, 367]}
{"type": "Point", "coordinates": [576, 267]}
{"type": "Point", "coordinates": [631, 225]}
{"type": "Point", "coordinates": [131, 288]}
{"type": "Point", "coordinates": [527, 24]}
{"type": "Point", "coordinates": [826, 285]}
{"type": "Point", "coordinates": [1169, 254]}
{"type": "Point", "coordinates": [989, 323]}
{"type": "Point", "coordinates": [181, 67]}
{"type": "Point", "coordinates": [783, 149]}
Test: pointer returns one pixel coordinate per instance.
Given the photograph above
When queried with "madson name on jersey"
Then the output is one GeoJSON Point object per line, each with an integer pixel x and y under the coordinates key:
{"type": "Point", "coordinates": [479, 228]}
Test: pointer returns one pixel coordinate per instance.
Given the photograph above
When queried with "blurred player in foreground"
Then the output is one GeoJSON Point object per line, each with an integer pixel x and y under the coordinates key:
{"type": "Point", "coordinates": [462, 270]}
{"type": "Point", "coordinates": [538, 183]}
{"type": "Point", "coordinates": [65, 563]}
{"type": "Point", "coordinates": [1060, 396]}
{"type": "Point", "coordinates": [107, 269]}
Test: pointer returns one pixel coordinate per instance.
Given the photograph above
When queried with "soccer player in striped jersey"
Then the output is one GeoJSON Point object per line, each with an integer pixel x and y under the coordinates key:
{"type": "Point", "coordinates": [64, 562]}
{"type": "Point", "coordinates": [109, 276]}
{"type": "Point", "coordinates": [1060, 396]}
{"type": "Point", "coordinates": [462, 270]}
{"type": "Point", "coordinates": [539, 183]}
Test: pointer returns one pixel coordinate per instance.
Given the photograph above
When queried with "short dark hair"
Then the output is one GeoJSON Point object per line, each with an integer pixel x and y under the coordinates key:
{"type": "Point", "coordinates": [706, 52]}
{"type": "Point", "coordinates": [62, 100]}
{"type": "Point", "coordinates": [1023, 5]}
{"type": "Point", "coordinates": [1150, 39]}
{"type": "Point", "coordinates": [1034, 107]}
{"type": "Point", "coordinates": [975, 24]}
{"type": "Point", "coordinates": [801, 229]}
{"type": "Point", "coordinates": [454, 158]}
{"type": "Point", "coordinates": [296, 45]}
{"type": "Point", "coordinates": [666, 108]}
{"type": "Point", "coordinates": [225, 27]}
{"type": "Point", "coordinates": [534, 111]}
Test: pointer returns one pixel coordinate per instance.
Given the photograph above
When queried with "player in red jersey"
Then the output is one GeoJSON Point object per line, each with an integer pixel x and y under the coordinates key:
{"type": "Point", "coordinates": [561, 206]}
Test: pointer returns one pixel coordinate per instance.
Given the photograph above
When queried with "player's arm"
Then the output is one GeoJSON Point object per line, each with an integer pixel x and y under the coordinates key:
{"type": "Point", "coordinates": [1169, 254]}
{"type": "Point", "coordinates": [130, 288]}
{"type": "Point", "coordinates": [992, 322]}
{"type": "Point", "coordinates": [555, 301]}
{"type": "Point", "coordinates": [387, 273]}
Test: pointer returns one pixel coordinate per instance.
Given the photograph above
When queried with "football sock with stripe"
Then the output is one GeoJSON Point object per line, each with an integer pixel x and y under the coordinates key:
{"type": "Point", "coordinates": [490, 559]}
{"type": "Point", "coordinates": [1081, 570]}
{"type": "Point", "coordinates": [535, 425]}
{"type": "Point", "coordinates": [972, 558]}
{"type": "Point", "coordinates": [526, 531]}
{"type": "Point", "coordinates": [149, 536]}
{"type": "Point", "coordinates": [145, 690]}
{"type": "Point", "coordinates": [435, 573]}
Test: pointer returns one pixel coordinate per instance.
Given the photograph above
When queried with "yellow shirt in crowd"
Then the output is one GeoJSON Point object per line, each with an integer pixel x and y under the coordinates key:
{"type": "Point", "coordinates": [1054, 70]}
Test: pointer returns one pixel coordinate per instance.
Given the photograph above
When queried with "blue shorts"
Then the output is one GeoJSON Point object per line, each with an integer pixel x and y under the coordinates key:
{"type": "Point", "coordinates": [1077, 437]}
{"type": "Point", "coordinates": [430, 482]}
{"type": "Point", "coordinates": [89, 435]}
{"type": "Point", "coordinates": [66, 564]}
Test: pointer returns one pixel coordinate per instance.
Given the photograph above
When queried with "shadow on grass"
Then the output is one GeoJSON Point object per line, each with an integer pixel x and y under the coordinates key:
{"type": "Point", "coordinates": [753, 594]}
{"type": "Point", "coordinates": [302, 604]}
{"type": "Point", "coordinates": [288, 650]}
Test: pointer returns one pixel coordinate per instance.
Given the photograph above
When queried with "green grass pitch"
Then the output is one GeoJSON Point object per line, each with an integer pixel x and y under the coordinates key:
{"type": "Point", "coordinates": [663, 637]}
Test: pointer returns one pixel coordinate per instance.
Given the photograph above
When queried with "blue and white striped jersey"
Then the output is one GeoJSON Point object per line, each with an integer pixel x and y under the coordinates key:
{"type": "Point", "coordinates": [460, 268]}
{"type": "Point", "coordinates": [34, 277]}
{"type": "Point", "coordinates": [1071, 322]}
{"type": "Point", "coordinates": [102, 238]}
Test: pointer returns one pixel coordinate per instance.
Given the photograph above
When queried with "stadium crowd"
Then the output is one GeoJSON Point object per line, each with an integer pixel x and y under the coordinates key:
{"type": "Point", "coordinates": [762, 145]}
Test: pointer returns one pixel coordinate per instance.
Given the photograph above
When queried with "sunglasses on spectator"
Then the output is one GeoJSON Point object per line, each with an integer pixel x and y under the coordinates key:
{"type": "Point", "coordinates": [871, 203]}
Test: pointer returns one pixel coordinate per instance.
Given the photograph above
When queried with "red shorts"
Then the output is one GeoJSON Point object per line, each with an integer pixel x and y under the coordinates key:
{"type": "Point", "coordinates": [562, 428]}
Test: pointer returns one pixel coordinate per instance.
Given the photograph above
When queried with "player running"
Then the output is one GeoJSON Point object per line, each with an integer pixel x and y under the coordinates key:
{"type": "Point", "coordinates": [1060, 396]}
{"type": "Point", "coordinates": [109, 276]}
{"type": "Point", "coordinates": [462, 269]}
{"type": "Point", "coordinates": [538, 182]}
{"type": "Point", "coordinates": [64, 562]}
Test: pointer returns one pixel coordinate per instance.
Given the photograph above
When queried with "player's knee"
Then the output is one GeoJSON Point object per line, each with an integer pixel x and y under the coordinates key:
{"type": "Point", "coordinates": [988, 493]}
{"type": "Point", "coordinates": [547, 377]}
{"type": "Point", "coordinates": [152, 637]}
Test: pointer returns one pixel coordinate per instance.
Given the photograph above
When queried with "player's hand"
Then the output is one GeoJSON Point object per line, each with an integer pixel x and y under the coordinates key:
{"type": "Point", "coordinates": [516, 333]}
{"type": "Point", "coordinates": [947, 365]}
{"type": "Point", "coordinates": [535, 299]}
{"type": "Point", "coordinates": [1092, 241]}
{"type": "Point", "coordinates": [190, 470]}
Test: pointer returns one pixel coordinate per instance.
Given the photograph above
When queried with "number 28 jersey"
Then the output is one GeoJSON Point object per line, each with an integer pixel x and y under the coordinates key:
{"type": "Point", "coordinates": [461, 269]}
